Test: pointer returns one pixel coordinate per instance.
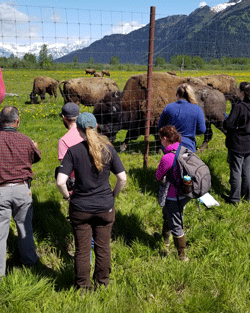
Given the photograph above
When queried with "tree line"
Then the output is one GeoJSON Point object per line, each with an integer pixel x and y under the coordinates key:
{"type": "Point", "coordinates": [177, 62]}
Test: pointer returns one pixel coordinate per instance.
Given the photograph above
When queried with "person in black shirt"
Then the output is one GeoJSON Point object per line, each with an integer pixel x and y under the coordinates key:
{"type": "Point", "coordinates": [237, 125]}
{"type": "Point", "coordinates": [92, 201]}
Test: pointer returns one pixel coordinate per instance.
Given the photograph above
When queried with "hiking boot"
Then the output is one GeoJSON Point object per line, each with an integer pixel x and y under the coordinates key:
{"type": "Point", "coordinates": [180, 244]}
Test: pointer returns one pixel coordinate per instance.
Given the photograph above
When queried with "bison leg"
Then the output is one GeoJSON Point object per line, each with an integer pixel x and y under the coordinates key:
{"type": "Point", "coordinates": [55, 93]}
{"type": "Point", "coordinates": [219, 124]}
{"type": "Point", "coordinates": [132, 134]}
{"type": "Point", "coordinates": [207, 136]}
{"type": "Point", "coordinates": [157, 142]}
{"type": "Point", "coordinates": [50, 98]}
{"type": "Point", "coordinates": [42, 96]}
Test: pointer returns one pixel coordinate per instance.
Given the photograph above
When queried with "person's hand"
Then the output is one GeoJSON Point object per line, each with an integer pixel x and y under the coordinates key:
{"type": "Point", "coordinates": [35, 144]}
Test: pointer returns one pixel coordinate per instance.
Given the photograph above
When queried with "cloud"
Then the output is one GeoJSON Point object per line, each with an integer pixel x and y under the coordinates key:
{"type": "Point", "coordinates": [202, 4]}
{"type": "Point", "coordinates": [15, 24]}
{"type": "Point", "coordinates": [9, 13]}
{"type": "Point", "coordinates": [55, 18]}
{"type": "Point", "coordinates": [125, 27]}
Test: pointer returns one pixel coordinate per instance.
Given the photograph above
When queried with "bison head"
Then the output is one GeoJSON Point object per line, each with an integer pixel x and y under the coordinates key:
{"type": "Point", "coordinates": [33, 98]}
{"type": "Point", "coordinates": [109, 115]}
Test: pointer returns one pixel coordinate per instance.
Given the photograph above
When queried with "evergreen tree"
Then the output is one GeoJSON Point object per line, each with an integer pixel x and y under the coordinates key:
{"type": "Point", "coordinates": [75, 62]}
{"type": "Point", "coordinates": [160, 62]}
{"type": "Point", "coordinates": [29, 57]}
{"type": "Point", "coordinates": [115, 60]}
{"type": "Point", "coordinates": [91, 61]}
{"type": "Point", "coordinates": [29, 61]}
{"type": "Point", "coordinates": [197, 62]}
{"type": "Point", "coordinates": [45, 60]}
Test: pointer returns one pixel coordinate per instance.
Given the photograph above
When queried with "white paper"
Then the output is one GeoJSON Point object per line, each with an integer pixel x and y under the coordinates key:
{"type": "Point", "coordinates": [208, 200]}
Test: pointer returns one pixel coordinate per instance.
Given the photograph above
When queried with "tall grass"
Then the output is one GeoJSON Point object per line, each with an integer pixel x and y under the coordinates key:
{"type": "Point", "coordinates": [142, 280]}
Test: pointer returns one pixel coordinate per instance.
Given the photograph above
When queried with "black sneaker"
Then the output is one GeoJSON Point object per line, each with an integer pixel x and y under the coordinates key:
{"type": "Point", "coordinates": [229, 201]}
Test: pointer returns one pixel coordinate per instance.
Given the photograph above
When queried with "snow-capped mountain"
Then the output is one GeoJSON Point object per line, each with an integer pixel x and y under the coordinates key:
{"type": "Point", "coordinates": [67, 50]}
{"type": "Point", "coordinates": [220, 7]}
{"type": "Point", "coordinates": [57, 50]}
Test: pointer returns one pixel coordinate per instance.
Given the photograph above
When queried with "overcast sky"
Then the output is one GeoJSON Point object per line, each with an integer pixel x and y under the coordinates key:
{"type": "Point", "coordinates": [25, 22]}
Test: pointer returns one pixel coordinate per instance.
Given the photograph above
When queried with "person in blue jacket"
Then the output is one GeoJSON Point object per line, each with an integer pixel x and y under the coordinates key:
{"type": "Point", "coordinates": [187, 117]}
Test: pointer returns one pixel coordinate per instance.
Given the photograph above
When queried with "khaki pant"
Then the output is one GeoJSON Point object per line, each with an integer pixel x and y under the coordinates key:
{"type": "Point", "coordinates": [16, 200]}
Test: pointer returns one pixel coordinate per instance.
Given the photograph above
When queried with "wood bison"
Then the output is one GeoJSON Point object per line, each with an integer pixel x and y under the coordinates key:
{"type": "Point", "coordinates": [172, 73]}
{"type": "Point", "coordinates": [90, 71]}
{"type": "Point", "coordinates": [105, 72]}
{"type": "Point", "coordinates": [98, 74]}
{"type": "Point", "coordinates": [128, 111]}
{"type": "Point", "coordinates": [86, 90]}
{"type": "Point", "coordinates": [41, 86]}
{"type": "Point", "coordinates": [225, 83]}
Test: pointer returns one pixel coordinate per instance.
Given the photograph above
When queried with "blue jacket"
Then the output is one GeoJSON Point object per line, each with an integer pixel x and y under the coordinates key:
{"type": "Point", "coordinates": [188, 119]}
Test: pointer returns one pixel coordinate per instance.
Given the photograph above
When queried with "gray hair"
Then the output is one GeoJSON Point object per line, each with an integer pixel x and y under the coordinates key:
{"type": "Point", "coordinates": [8, 115]}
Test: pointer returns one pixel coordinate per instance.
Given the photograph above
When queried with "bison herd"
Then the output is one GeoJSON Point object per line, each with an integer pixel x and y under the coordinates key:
{"type": "Point", "coordinates": [115, 110]}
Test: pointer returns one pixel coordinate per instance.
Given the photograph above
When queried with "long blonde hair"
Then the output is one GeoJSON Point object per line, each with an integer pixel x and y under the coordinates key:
{"type": "Point", "coordinates": [98, 148]}
{"type": "Point", "coordinates": [185, 91]}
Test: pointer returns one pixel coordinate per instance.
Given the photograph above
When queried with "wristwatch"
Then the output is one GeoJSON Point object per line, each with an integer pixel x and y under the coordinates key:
{"type": "Point", "coordinates": [66, 198]}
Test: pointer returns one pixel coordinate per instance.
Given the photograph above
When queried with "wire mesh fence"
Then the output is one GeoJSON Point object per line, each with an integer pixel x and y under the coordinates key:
{"type": "Point", "coordinates": [68, 43]}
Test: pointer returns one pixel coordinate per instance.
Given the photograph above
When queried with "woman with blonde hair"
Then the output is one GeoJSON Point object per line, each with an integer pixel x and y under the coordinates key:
{"type": "Point", "coordinates": [187, 117]}
{"type": "Point", "coordinates": [91, 207]}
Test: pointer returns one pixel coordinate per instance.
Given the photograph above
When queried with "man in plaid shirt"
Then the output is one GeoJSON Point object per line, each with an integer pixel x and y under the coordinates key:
{"type": "Point", "coordinates": [17, 154]}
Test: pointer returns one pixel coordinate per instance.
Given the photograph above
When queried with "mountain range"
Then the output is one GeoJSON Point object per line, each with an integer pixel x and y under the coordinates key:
{"type": "Point", "coordinates": [223, 30]}
{"type": "Point", "coordinates": [57, 50]}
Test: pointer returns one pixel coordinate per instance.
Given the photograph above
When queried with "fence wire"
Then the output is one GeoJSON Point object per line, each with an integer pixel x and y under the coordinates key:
{"type": "Point", "coordinates": [26, 29]}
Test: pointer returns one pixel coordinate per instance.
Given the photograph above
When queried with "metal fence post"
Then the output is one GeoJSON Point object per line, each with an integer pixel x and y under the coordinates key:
{"type": "Point", "coordinates": [149, 84]}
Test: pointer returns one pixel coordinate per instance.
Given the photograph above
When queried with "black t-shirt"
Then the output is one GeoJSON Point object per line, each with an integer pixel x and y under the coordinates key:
{"type": "Point", "coordinates": [92, 192]}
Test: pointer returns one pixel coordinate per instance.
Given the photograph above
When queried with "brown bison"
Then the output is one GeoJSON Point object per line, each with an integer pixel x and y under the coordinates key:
{"type": "Point", "coordinates": [128, 111]}
{"type": "Point", "coordinates": [105, 72]}
{"type": "Point", "coordinates": [98, 74]}
{"type": "Point", "coordinates": [90, 71]}
{"type": "Point", "coordinates": [224, 83]}
{"type": "Point", "coordinates": [86, 90]}
{"type": "Point", "coordinates": [41, 86]}
{"type": "Point", "coordinates": [172, 73]}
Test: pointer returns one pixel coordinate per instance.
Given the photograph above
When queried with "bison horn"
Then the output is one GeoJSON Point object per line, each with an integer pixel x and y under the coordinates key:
{"type": "Point", "coordinates": [116, 94]}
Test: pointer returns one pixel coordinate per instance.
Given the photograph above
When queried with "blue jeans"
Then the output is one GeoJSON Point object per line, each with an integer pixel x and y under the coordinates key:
{"type": "Point", "coordinates": [16, 200]}
{"type": "Point", "coordinates": [239, 164]}
{"type": "Point", "coordinates": [173, 213]}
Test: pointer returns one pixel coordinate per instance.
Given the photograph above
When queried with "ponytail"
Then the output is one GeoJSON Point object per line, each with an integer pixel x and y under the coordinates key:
{"type": "Point", "coordinates": [185, 91]}
{"type": "Point", "coordinates": [98, 148]}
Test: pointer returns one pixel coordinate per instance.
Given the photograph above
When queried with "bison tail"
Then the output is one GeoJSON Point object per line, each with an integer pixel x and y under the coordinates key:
{"type": "Point", "coordinates": [60, 88]}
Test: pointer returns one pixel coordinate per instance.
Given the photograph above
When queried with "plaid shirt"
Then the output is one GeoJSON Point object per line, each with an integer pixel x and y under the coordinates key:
{"type": "Point", "coordinates": [17, 154]}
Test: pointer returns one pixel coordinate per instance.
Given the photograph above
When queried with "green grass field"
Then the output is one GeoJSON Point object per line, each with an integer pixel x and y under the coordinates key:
{"type": "Point", "coordinates": [216, 279]}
